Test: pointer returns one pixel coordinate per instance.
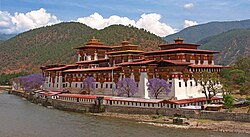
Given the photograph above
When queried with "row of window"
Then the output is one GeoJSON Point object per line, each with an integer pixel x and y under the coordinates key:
{"type": "Point", "coordinates": [134, 103]}
{"type": "Point", "coordinates": [191, 84]}
{"type": "Point", "coordinates": [77, 85]}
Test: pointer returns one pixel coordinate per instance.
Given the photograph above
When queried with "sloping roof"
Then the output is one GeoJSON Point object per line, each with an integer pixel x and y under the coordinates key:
{"type": "Point", "coordinates": [179, 50]}
{"type": "Point", "coordinates": [173, 44]}
{"type": "Point", "coordinates": [50, 93]}
{"type": "Point", "coordinates": [192, 100]}
{"type": "Point", "coordinates": [92, 69]}
{"type": "Point", "coordinates": [135, 100]}
{"type": "Point", "coordinates": [125, 51]}
{"type": "Point", "coordinates": [61, 68]}
{"type": "Point", "coordinates": [136, 63]}
{"type": "Point", "coordinates": [82, 96]}
{"type": "Point", "coordinates": [94, 46]}
{"type": "Point", "coordinates": [177, 62]}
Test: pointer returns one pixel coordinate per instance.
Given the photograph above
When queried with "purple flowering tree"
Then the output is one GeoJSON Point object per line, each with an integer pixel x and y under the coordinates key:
{"type": "Point", "coordinates": [127, 87]}
{"type": "Point", "coordinates": [157, 86]}
{"type": "Point", "coordinates": [88, 85]}
{"type": "Point", "coordinates": [31, 82]}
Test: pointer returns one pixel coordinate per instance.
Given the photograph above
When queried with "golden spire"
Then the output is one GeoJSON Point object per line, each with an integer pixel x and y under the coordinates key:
{"type": "Point", "coordinates": [178, 40]}
{"type": "Point", "coordinates": [94, 41]}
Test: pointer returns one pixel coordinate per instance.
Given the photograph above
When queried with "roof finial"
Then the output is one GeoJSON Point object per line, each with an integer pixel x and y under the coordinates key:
{"type": "Point", "coordinates": [94, 41]}
{"type": "Point", "coordinates": [178, 40]}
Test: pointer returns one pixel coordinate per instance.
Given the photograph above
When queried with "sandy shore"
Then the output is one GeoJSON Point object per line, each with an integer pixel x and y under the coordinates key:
{"type": "Point", "coordinates": [163, 121]}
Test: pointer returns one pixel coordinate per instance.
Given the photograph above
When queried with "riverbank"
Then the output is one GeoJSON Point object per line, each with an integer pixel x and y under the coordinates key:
{"type": "Point", "coordinates": [164, 121]}
{"type": "Point", "coordinates": [153, 119]}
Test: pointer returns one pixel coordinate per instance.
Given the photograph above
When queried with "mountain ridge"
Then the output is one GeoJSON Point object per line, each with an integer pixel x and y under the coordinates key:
{"type": "Point", "coordinates": [195, 33]}
{"type": "Point", "coordinates": [231, 44]}
{"type": "Point", "coordinates": [53, 44]}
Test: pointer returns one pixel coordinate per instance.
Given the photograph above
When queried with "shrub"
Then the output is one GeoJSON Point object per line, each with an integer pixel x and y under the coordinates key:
{"type": "Point", "coordinates": [229, 101]}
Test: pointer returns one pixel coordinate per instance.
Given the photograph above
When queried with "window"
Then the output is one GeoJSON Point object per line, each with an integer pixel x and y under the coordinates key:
{"type": "Point", "coordinates": [191, 84]}
{"type": "Point", "coordinates": [196, 83]}
{"type": "Point", "coordinates": [101, 85]}
{"type": "Point", "coordinates": [179, 84]}
{"type": "Point", "coordinates": [185, 84]}
{"type": "Point", "coordinates": [111, 85]}
{"type": "Point", "coordinates": [170, 83]}
{"type": "Point", "coordinates": [107, 85]}
{"type": "Point", "coordinates": [96, 85]}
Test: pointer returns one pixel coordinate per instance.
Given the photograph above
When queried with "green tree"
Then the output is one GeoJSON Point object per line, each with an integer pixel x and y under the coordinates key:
{"type": "Point", "coordinates": [237, 78]}
{"type": "Point", "coordinates": [229, 100]}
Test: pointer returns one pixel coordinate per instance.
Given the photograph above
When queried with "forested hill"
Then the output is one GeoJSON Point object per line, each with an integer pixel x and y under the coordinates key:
{"type": "Point", "coordinates": [53, 44]}
{"type": "Point", "coordinates": [231, 44]}
{"type": "Point", "coordinates": [196, 33]}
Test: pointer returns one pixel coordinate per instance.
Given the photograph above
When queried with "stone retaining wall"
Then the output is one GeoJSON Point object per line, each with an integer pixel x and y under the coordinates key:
{"type": "Point", "coordinates": [197, 114]}
{"type": "Point", "coordinates": [76, 106]}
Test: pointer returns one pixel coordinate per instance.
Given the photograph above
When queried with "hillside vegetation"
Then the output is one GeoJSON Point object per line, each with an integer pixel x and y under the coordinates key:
{"type": "Point", "coordinates": [54, 44]}
{"type": "Point", "coordinates": [231, 44]}
{"type": "Point", "coordinates": [196, 33]}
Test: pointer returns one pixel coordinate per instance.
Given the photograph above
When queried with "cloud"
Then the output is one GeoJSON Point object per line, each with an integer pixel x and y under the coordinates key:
{"type": "Point", "coordinates": [189, 5]}
{"type": "Point", "coordinates": [98, 22]}
{"type": "Point", "coordinates": [20, 22]}
{"type": "Point", "coordinates": [189, 23]}
{"type": "Point", "coordinates": [150, 22]}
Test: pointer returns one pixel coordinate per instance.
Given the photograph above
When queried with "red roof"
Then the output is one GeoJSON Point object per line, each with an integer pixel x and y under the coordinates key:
{"type": "Point", "coordinates": [92, 61]}
{"type": "Point", "coordinates": [61, 68]}
{"type": "Point", "coordinates": [125, 99]}
{"type": "Point", "coordinates": [82, 96]}
{"type": "Point", "coordinates": [78, 96]}
{"type": "Point", "coordinates": [95, 46]}
{"type": "Point", "coordinates": [173, 44]}
{"type": "Point", "coordinates": [177, 62]}
{"type": "Point", "coordinates": [192, 100]}
{"type": "Point", "coordinates": [137, 63]}
{"type": "Point", "coordinates": [50, 93]}
{"type": "Point", "coordinates": [92, 69]}
{"type": "Point", "coordinates": [180, 50]}
{"type": "Point", "coordinates": [208, 66]}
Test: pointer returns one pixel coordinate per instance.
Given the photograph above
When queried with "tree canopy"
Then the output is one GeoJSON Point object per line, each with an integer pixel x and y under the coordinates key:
{"type": "Point", "coordinates": [88, 85]}
{"type": "Point", "coordinates": [127, 87]}
{"type": "Point", "coordinates": [157, 86]}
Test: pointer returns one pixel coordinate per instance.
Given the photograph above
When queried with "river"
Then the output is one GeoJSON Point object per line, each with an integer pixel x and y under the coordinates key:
{"type": "Point", "coordinates": [20, 118]}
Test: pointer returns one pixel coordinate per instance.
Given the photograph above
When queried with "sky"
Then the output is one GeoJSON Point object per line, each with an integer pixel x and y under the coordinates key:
{"type": "Point", "coordinates": [161, 17]}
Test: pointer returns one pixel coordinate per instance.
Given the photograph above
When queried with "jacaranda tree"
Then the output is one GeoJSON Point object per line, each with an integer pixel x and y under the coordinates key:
{"type": "Point", "coordinates": [127, 87]}
{"type": "Point", "coordinates": [157, 86]}
{"type": "Point", "coordinates": [88, 85]}
{"type": "Point", "coordinates": [31, 82]}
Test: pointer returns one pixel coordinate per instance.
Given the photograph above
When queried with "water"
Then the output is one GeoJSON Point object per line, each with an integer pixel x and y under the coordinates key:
{"type": "Point", "coordinates": [20, 118]}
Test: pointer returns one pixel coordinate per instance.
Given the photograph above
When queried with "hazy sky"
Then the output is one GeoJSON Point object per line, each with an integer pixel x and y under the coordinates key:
{"type": "Point", "coordinates": [161, 17]}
